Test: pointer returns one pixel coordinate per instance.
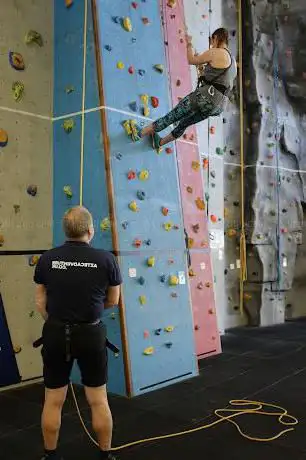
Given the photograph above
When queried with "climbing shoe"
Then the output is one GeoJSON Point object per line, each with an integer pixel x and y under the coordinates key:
{"type": "Point", "coordinates": [156, 142]}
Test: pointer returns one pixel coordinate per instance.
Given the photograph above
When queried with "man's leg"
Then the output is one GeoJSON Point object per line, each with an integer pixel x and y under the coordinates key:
{"type": "Point", "coordinates": [51, 418]}
{"type": "Point", "coordinates": [102, 421]}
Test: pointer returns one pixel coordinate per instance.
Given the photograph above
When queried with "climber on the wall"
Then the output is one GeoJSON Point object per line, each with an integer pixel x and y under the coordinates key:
{"type": "Point", "coordinates": [210, 97]}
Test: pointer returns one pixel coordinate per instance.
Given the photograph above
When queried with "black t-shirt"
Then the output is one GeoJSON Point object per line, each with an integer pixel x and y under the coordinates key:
{"type": "Point", "coordinates": [76, 277]}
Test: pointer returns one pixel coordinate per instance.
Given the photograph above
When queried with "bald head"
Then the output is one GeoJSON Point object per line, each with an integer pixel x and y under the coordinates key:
{"type": "Point", "coordinates": [78, 224]}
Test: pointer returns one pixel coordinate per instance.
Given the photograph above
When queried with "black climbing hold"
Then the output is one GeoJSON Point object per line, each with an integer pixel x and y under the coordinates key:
{"type": "Point", "coordinates": [162, 278]}
{"type": "Point", "coordinates": [236, 203]}
{"type": "Point", "coordinates": [142, 280]}
{"type": "Point", "coordinates": [148, 242]}
{"type": "Point", "coordinates": [108, 48]}
{"type": "Point", "coordinates": [141, 195]}
{"type": "Point", "coordinates": [125, 225]}
{"type": "Point", "coordinates": [226, 271]}
{"type": "Point", "coordinates": [32, 190]}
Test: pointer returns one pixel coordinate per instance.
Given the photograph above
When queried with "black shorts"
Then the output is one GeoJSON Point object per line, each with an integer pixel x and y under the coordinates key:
{"type": "Point", "coordinates": [87, 347]}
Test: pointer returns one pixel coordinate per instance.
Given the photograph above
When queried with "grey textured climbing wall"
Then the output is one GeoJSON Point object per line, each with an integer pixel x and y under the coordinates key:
{"type": "Point", "coordinates": [25, 166]}
{"type": "Point", "coordinates": [274, 36]}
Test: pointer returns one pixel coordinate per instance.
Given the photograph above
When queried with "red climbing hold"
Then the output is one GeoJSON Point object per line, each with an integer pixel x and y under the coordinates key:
{"type": "Point", "coordinates": [213, 218]}
{"type": "Point", "coordinates": [178, 82]}
{"type": "Point", "coordinates": [205, 163]}
{"type": "Point", "coordinates": [169, 150]}
{"type": "Point", "coordinates": [154, 102]}
{"type": "Point", "coordinates": [131, 70]}
{"type": "Point", "coordinates": [212, 130]}
{"type": "Point", "coordinates": [165, 211]}
{"type": "Point", "coordinates": [137, 243]}
{"type": "Point", "coordinates": [135, 5]}
{"type": "Point", "coordinates": [131, 175]}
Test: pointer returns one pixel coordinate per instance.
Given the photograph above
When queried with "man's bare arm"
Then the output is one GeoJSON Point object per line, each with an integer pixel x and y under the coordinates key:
{"type": "Point", "coordinates": [41, 300]}
{"type": "Point", "coordinates": [113, 296]}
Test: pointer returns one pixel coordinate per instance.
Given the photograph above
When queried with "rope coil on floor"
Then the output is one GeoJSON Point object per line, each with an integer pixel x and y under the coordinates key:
{"type": "Point", "coordinates": [250, 407]}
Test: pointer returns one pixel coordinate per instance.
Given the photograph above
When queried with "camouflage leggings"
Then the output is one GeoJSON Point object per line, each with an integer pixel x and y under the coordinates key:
{"type": "Point", "coordinates": [191, 110]}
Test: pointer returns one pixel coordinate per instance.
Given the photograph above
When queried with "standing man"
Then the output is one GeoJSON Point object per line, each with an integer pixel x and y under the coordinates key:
{"type": "Point", "coordinates": [74, 282]}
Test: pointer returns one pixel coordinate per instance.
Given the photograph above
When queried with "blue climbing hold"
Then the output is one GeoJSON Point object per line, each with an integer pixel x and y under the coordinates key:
{"type": "Point", "coordinates": [108, 48]}
{"type": "Point", "coordinates": [119, 156]}
{"type": "Point", "coordinates": [142, 280]}
{"type": "Point", "coordinates": [148, 242]}
{"type": "Point", "coordinates": [141, 72]}
{"type": "Point", "coordinates": [125, 225]}
{"type": "Point", "coordinates": [162, 278]}
{"type": "Point", "coordinates": [117, 19]}
{"type": "Point", "coordinates": [133, 106]}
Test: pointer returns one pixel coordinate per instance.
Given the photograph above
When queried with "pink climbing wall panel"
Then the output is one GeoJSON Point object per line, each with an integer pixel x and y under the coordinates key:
{"type": "Point", "coordinates": [192, 192]}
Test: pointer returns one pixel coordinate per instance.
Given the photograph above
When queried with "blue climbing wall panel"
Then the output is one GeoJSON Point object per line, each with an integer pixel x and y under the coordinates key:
{"type": "Point", "coordinates": [68, 170]}
{"type": "Point", "coordinates": [157, 357]}
{"type": "Point", "coordinates": [9, 374]}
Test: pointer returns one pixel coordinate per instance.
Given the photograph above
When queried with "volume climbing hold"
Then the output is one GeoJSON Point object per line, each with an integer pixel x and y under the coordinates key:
{"type": "Point", "coordinates": [141, 195]}
{"type": "Point", "coordinates": [144, 175]}
{"type": "Point", "coordinates": [133, 206]}
{"type": "Point", "coordinates": [159, 68]}
{"type": "Point", "coordinates": [68, 125]}
{"type": "Point", "coordinates": [16, 61]}
{"type": "Point", "coordinates": [165, 211]}
{"type": "Point", "coordinates": [18, 90]}
{"type": "Point", "coordinates": [34, 37]}
{"type": "Point", "coordinates": [148, 351]}
{"type": "Point", "coordinates": [200, 204]}
{"type": "Point", "coordinates": [32, 190]}
{"type": "Point", "coordinates": [142, 299]}
{"type": "Point", "coordinates": [167, 226]}
{"type": "Point", "coordinates": [151, 261]}
{"type": "Point", "coordinates": [105, 224]}
{"type": "Point", "coordinates": [154, 102]}
{"type": "Point", "coordinates": [3, 138]}
{"type": "Point", "coordinates": [33, 260]}
{"type": "Point", "coordinates": [127, 24]}
{"type": "Point", "coordinates": [173, 280]}
{"type": "Point", "coordinates": [68, 191]}
{"type": "Point", "coordinates": [141, 280]}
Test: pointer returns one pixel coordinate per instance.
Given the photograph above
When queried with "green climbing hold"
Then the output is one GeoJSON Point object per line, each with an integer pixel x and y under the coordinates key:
{"type": "Point", "coordinates": [68, 125]}
{"type": "Point", "coordinates": [219, 151]}
{"type": "Point", "coordinates": [34, 37]}
{"type": "Point", "coordinates": [159, 68]}
{"type": "Point", "coordinates": [69, 89]}
{"type": "Point", "coordinates": [68, 191]}
{"type": "Point", "coordinates": [18, 90]}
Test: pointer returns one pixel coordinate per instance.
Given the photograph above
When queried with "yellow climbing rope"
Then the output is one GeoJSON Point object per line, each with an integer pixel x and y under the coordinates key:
{"type": "Point", "coordinates": [243, 264]}
{"type": "Point", "coordinates": [239, 408]}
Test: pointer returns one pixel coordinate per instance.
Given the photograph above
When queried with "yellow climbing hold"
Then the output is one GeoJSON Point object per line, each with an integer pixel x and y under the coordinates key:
{"type": "Point", "coordinates": [18, 90]}
{"type": "Point", "coordinates": [168, 226]}
{"type": "Point", "coordinates": [17, 349]}
{"type": "Point", "coordinates": [171, 3]}
{"type": "Point", "coordinates": [196, 165]}
{"type": "Point", "coordinates": [231, 232]}
{"type": "Point", "coordinates": [105, 224]}
{"type": "Point", "coordinates": [68, 191]}
{"type": "Point", "coordinates": [151, 261]}
{"type": "Point", "coordinates": [149, 351]}
{"type": "Point", "coordinates": [144, 175]}
{"type": "Point", "coordinates": [68, 125]}
{"type": "Point", "coordinates": [142, 299]}
{"type": "Point", "coordinates": [169, 329]}
{"type": "Point", "coordinates": [145, 100]}
{"type": "Point", "coordinates": [200, 204]}
{"type": "Point", "coordinates": [127, 24]}
{"type": "Point", "coordinates": [133, 206]}
{"type": "Point", "coordinates": [192, 274]}
{"type": "Point", "coordinates": [130, 127]}
{"type": "Point", "coordinates": [190, 243]}
{"type": "Point", "coordinates": [173, 280]}
{"type": "Point", "coordinates": [120, 65]}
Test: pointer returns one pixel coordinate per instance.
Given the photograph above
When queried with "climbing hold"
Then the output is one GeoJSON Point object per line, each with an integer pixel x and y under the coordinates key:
{"type": "Point", "coordinates": [169, 329]}
{"type": "Point", "coordinates": [117, 19]}
{"type": "Point", "coordinates": [195, 165]}
{"type": "Point", "coordinates": [146, 334]}
{"type": "Point", "coordinates": [68, 125]}
{"type": "Point", "coordinates": [120, 65]}
{"type": "Point", "coordinates": [141, 195]}
{"type": "Point", "coordinates": [190, 243]}
{"type": "Point", "coordinates": [212, 130]}
{"type": "Point", "coordinates": [18, 90]}
{"type": "Point", "coordinates": [247, 296]}
{"type": "Point", "coordinates": [205, 163]}
{"type": "Point", "coordinates": [213, 174]}
{"type": "Point", "coordinates": [159, 68]}
{"type": "Point", "coordinates": [169, 150]}
{"type": "Point", "coordinates": [133, 206]}
{"type": "Point", "coordinates": [68, 191]}
{"type": "Point", "coordinates": [133, 106]}
{"type": "Point", "coordinates": [1, 240]}
{"type": "Point", "coordinates": [17, 349]}
{"type": "Point", "coordinates": [189, 189]}
{"type": "Point", "coordinates": [208, 284]}
{"type": "Point", "coordinates": [149, 351]}
{"type": "Point", "coordinates": [127, 24]}
{"type": "Point", "coordinates": [32, 190]}
{"type": "Point", "coordinates": [31, 314]}
{"type": "Point", "coordinates": [3, 138]}
{"type": "Point", "coordinates": [191, 272]}
{"type": "Point", "coordinates": [231, 232]}
{"type": "Point", "coordinates": [33, 260]}
{"type": "Point", "coordinates": [134, 5]}
{"type": "Point", "coordinates": [173, 280]}
{"type": "Point", "coordinates": [16, 61]}
{"type": "Point", "coordinates": [272, 213]}
{"type": "Point", "coordinates": [213, 218]}
{"type": "Point", "coordinates": [178, 82]}
{"type": "Point", "coordinates": [200, 285]}
{"type": "Point", "coordinates": [16, 208]}
{"type": "Point", "coordinates": [200, 204]}
{"type": "Point", "coordinates": [118, 156]}
{"type": "Point", "coordinates": [174, 295]}
{"type": "Point", "coordinates": [131, 128]}
{"type": "Point", "coordinates": [196, 228]}
{"type": "Point", "coordinates": [137, 243]}
{"type": "Point", "coordinates": [69, 89]}
{"type": "Point", "coordinates": [105, 224]}
{"type": "Point", "coordinates": [211, 311]}
{"type": "Point", "coordinates": [141, 72]}
{"type": "Point", "coordinates": [144, 175]}
{"type": "Point", "coordinates": [147, 242]}
{"type": "Point", "coordinates": [169, 344]}
{"type": "Point", "coordinates": [145, 100]}
{"type": "Point", "coordinates": [158, 331]}
{"type": "Point", "coordinates": [154, 102]}
{"type": "Point", "coordinates": [162, 278]}
{"type": "Point", "coordinates": [167, 226]}
{"type": "Point", "coordinates": [125, 225]}
{"type": "Point", "coordinates": [176, 227]}
{"type": "Point", "coordinates": [145, 21]}
{"type": "Point", "coordinates": [171, 3]}
{"type": "Point", "coordinates": [284, 230]}
{"type": "Point", "coordinates": [141, 280]}
{"type": "Point", "coordinates": [219, 151]}
{"type": "Point", "coordinates": [68, 3]}
{"type": "Point", "coordinates": [170, 261]}
{"type": "Point", "coordinates": [108, 48]}
{"type": "Point", "coordinates": [131, 175]}
{"type": "Point", "coordinates": [34, 37]}
{"type": "Point", "coordinates": [196, 327]}
{"type": "Point", "coordinates": [131, 70]}
{"type": "Point", "coordinates": [151, 261]}
{"type": "Point", "coordinates": [142, 299]}
{"type": "Point", "coordinates": [165, 211]}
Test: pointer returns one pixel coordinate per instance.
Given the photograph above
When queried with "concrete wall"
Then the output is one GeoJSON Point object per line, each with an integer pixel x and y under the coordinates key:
{"type": "Point", "coordinates": [26, 221]}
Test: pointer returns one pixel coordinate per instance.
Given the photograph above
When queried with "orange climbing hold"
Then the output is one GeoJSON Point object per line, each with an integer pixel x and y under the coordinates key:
{"type": "Point", "coordinates": [68, 3]}
{"type": "Point", "coordinates": [168, 150]}
{"type": "Point", "coordinates": [165, 211]}
{"type": "Point", "coordinates": [205, 163]}
{"type": "Point", "coordinates": [213, 218]}
{"type": "Point", "coordinates": [3, 138]}
{"type": "Point", "coordinates": [200, 204]}
{"type": "Point", "coordinates": [154, 102]}
{"type": "Point", "coordinates": [137, 243]}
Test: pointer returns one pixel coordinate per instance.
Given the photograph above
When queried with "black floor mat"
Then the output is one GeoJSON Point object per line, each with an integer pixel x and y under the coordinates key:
{"type": "Point", "coordinates": [266, 364]}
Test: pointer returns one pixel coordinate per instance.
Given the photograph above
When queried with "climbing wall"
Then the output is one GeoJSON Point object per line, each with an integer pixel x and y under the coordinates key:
{"type": "Point", "coordinates": [26, 177]}
{"type": "Point", "coordinates": [191, 187]}
{"type": "Point", "coordinates": [146, 197]}
{"type": "Point", "coordinates": [79, 165]}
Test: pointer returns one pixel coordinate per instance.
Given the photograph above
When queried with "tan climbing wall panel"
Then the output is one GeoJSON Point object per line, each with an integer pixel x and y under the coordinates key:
{"type": "Point", "coordinates": [25, 325]}
{"type": "Point", "coordinates": [24, 161]}
{"type": "Point", "coordinates": [16, 19]}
